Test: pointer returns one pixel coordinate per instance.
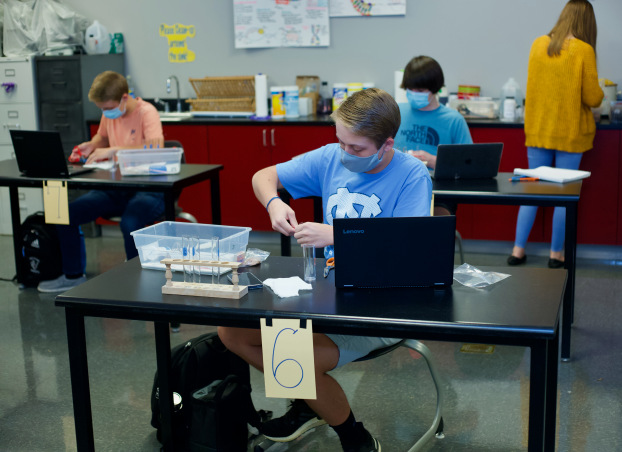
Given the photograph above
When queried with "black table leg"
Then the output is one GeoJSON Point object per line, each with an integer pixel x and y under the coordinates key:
{"type": "Point", "coordinates": [163, 357]}
{"type": "Point", "coordinates": [571, 266]}
{"type": "Point", "coordinates": [537, 396]}
{"type": "Point", "coordinates": [169, 206]}
{"type": "Point", "coordinates": [15, 223]}
{"type": "Point", "coordinates": [550, 420]}
{"type": "Point", "coordinates": [79, 372]}
{"type": "Point", "coordinates": [215, 192]}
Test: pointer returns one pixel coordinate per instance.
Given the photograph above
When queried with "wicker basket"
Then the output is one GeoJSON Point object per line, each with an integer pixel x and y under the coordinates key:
{"type": "Point", "coordinates": [224, 93]}
{"type": "Point", "coordinates": [231, 104]}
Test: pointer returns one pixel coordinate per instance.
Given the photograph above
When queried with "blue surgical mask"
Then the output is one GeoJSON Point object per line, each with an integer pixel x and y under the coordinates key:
{"type": "Point", "coordinates": [418, 100]}
{"type": "Point", "coordinates": [360, 164]}
{"type": "Point", "coordinates": [114, 113]}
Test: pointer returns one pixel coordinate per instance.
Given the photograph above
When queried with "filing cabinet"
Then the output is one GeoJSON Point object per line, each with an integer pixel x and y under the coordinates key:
{"type": "Point", "coordinates": [63, 84]}
{"type": "Point", "coordinates": [18, 110]}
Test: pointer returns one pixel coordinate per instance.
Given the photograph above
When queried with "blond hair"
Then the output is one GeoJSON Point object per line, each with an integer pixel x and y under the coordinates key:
{"type": "Point", "coordinates": [577, 19]}
{"type": "Point", "coordinates": [370, 113]}
{"type": "Point", "coordinates": [107, 86]}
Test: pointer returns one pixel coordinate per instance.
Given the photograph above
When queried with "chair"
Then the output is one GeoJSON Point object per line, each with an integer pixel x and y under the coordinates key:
{"type": "Point", "coordinates": [179, 213]}
{"type": "Point", "coordinates": [436, 429]}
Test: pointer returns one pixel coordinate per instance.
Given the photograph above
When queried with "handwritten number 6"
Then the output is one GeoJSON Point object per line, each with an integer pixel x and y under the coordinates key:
{"type": "Point", "coordinates": [275, 369]}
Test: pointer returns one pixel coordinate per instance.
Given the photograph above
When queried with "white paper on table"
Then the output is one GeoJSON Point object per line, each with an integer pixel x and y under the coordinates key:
{"type": "Point", "coordinates": [550, 174]}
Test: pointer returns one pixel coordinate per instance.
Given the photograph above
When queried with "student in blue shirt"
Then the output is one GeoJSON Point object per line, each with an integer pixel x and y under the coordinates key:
{"type": "Point", "coordinates": [425, 122]}
{"type": "Point", "coordinates": [361, 176]}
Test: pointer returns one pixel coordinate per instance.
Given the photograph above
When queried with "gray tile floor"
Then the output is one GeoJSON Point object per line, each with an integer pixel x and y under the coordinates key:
{"type": "Point", "coordinates": [486, 407]}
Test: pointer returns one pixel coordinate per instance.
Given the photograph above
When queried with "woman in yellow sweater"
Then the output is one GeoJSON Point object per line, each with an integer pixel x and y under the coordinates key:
{"type": "Point", "coordinates": [562, 85]}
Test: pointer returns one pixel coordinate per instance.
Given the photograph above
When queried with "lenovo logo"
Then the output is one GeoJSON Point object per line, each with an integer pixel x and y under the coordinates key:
{"type": "Point", "coordinates": [353, 231]}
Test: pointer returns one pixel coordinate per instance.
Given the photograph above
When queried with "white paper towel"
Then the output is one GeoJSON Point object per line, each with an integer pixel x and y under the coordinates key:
{"type": "Point", "coordinates": [261, 95]}
{"type": "Point", "coordinates": [400, 94]}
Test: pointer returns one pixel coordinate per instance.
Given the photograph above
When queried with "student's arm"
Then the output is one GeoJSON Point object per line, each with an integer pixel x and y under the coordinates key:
{"type": "Point", "coordinates": [98, 141]}
{"type": "Point", "coordinates": [591, 92]}
{"type": "Point", "coordinates": [265, 185]}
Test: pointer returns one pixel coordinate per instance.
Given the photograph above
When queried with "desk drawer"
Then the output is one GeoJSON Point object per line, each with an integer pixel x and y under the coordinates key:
{"type": "Point", "coordinates": [65, 118]}
{"type": "Point", "coordinates": [59, 80]}
{"type": "Point", "coordinates": [19, 73]}
{"type": "Point", "coordinates": [16, 116]}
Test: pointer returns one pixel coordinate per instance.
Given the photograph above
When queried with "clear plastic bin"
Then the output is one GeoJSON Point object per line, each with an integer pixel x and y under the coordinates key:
{"type": "Point", "coordinates": [164, 240]}
{"type": "Point", "coordinates": [142, 162]}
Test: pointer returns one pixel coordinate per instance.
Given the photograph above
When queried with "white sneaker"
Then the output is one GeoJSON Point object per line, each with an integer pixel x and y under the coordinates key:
{"type": "Point", "coordinates": [60, 284]}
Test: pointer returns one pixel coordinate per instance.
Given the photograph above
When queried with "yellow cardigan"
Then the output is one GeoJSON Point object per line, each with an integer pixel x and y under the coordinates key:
{"type": "Point", "coordinates": [560, 92]}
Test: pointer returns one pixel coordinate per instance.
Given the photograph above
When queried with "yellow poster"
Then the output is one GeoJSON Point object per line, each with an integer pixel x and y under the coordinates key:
{"type": "Point", "coordinates": [177, 34]}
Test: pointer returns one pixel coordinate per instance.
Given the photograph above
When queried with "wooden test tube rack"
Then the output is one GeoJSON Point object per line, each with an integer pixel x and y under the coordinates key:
{"type": "Point", "coordinates": [203, 289]}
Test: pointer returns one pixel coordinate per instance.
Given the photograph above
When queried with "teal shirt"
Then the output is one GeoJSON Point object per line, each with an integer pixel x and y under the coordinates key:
{"type": "Point", "coordinates": [425, 130]}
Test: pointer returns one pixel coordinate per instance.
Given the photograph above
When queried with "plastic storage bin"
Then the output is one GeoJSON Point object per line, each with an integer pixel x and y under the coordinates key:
{"type": "Point", "coordinates": [164, 240]}
{"type": "Point", "coordinates": [143, 162]}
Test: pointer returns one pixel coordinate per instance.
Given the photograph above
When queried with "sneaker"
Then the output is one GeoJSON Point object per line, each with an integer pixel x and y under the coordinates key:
{"type": "Point", "coordinates": [367, 443]}
{"type": "Point", "coordinates": [60, 284]}
{"type": "Point", "coordinates": [298, 419]}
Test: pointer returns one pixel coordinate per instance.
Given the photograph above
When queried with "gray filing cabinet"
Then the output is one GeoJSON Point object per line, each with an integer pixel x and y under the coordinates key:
{"type": "Point", "coordinates": [18, 110]}
{"type": "Point", "coordinates": [63, 84]}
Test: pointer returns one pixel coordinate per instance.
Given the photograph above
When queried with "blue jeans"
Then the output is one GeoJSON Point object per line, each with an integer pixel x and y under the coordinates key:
{"type": "Point", "coordinates": [137, 209]}
{"type": "Point", "coordinates": [527, 214]}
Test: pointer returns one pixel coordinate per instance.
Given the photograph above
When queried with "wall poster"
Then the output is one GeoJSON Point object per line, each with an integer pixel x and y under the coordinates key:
{"type": "Point", "coordinates": [346, 8]}
{"type": "Point", "coordinates": [280, 23]}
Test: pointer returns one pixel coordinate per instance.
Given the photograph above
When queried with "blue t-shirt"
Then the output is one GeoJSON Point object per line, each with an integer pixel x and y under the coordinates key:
{"type": "Point", "coordinates": [425, 130]}
{"type": "Point", "coordinates": [402, 189]}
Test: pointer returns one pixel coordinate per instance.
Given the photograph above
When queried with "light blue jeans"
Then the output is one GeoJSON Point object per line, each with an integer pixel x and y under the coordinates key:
{"type": "Point", "coordinates": [527, 214]}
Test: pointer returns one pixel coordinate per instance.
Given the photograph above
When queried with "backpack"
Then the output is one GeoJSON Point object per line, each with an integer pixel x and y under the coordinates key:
{"type": "Point", "coordinates": [40, 256]}
{"type": "Point", "coordinates": [215, 405]}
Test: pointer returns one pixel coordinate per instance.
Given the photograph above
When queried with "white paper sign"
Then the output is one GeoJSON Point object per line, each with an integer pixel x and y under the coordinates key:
{"type": "Point", "coordinates": [289, 367]}
{"type": "Point", "coordinates": [55, 202]}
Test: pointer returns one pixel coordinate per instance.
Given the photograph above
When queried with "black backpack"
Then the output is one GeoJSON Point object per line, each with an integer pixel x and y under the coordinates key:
{"type": "Point", "coordinates": [214, 384]}
{"type": "Point", "coordinates": [40, 256]}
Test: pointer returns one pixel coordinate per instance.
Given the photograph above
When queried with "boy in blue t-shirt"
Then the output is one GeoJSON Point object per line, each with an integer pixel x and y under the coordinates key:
{"type": "Point", "coordinates": [362, 176]}
{"type": "Point", "coordinates": [425, 122]}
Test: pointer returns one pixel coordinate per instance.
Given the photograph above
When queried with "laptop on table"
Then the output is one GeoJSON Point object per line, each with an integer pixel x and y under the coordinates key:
{"type": "Point", "coordinates": [467, 161]}
{"type": "Point", "coordinates": [394, 252]}
{"type": "Point", "coordinates": [40, 154]}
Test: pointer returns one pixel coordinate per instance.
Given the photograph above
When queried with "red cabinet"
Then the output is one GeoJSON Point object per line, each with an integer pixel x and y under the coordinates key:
{"type": "Point", "coordinates": [243, 150]}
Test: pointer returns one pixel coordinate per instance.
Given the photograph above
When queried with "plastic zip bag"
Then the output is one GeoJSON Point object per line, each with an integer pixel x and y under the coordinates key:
{"type": "Point", "coordinates": [470, 276]}
{"type": "Point", "coordinates": [33, 27]}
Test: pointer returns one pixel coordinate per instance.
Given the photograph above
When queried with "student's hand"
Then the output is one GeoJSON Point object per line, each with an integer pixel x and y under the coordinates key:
{"type": "Point", "coordinates": [101, 154]}
{"type": "Point", "coordinates": [86, 149]}
{"type": "Point", "coordinates": [317, 234]}
{"type": "Point", "coordinates": [282, 217]}
{"type": "Point", "coordinates": [426, 157]}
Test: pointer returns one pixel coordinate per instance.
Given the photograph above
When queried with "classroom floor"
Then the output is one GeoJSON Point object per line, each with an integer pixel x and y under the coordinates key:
{"type": "Point", "coordinates": [487, 393]}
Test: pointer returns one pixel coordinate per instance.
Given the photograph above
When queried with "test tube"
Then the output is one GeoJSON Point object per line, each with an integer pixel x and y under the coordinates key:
{"type": "Point", "coordinates": [215, 257]}
{"type": "Point", "coordinates": [196, 255]}
{"type": "Point", "coordinates": [188, 269]}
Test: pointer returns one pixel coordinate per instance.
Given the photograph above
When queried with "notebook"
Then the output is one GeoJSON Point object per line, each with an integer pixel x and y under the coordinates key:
{"type": "Point", "coordinates": [467, 161]}
{"type": "Point", "coordinates": [549, 174]}
{"type": "Point", "coordinates": [394, 252]}
{"type": "Point", "coordinates": [40, 154]}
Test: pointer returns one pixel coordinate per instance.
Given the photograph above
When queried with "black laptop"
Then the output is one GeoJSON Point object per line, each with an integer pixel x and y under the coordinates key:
{"type": "Point", "coordinates": [467, 161]}
{"type": "Point", "coordinates": [40, 154]}
{"type": "Point", "coordinates": [394, 252]}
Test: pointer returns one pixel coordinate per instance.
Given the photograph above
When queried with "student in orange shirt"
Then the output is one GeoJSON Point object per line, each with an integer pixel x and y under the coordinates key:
{"type": "Point", "coordinates": [126, 123]}
{"type": "Point", "coordinates": [562, 85]}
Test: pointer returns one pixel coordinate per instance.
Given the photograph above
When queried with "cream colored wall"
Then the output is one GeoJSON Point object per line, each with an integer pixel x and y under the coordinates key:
{"type": "Point", "coordinates": [481, 42]}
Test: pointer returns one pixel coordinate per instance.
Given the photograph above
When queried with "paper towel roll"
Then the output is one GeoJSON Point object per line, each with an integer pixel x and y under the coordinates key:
{"type": "Point", "coordinates": [400, 94]}
{"type": "Point", "coordinates": [261, 95]}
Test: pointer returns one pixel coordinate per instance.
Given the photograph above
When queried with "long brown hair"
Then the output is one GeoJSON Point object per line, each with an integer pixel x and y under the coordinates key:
{"type": "Point", "coordinates": [577, 18]}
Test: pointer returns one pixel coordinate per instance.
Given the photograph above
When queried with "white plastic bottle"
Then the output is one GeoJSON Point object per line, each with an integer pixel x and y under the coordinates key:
{"type": "Point", "coordinates": [510, 98]}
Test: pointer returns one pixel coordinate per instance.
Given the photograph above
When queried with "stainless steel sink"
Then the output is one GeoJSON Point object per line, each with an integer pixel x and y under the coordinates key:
{"type": "Point", "coordinates": [174, 116]}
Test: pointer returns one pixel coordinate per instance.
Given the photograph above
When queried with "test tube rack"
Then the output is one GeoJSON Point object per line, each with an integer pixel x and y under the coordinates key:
{"type": "Point", "coordinates": [171, 287]}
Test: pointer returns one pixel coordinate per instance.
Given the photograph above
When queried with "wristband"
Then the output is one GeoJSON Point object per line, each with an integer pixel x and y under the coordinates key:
{"type": "Point", "coordinates": [271, 199]}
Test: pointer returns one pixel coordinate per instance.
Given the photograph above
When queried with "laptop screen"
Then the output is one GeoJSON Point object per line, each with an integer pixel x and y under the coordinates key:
{"type": "Point", "coordinates": [468, 161]}
{"type": "Point", "coordinates": [39, 153]}
{"type": "Point", "coordinates": [394, 252]}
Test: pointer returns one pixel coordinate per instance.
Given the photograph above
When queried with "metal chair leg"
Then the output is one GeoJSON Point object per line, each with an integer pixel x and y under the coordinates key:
{"type": "Point", "coordinates": [437, 424]}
